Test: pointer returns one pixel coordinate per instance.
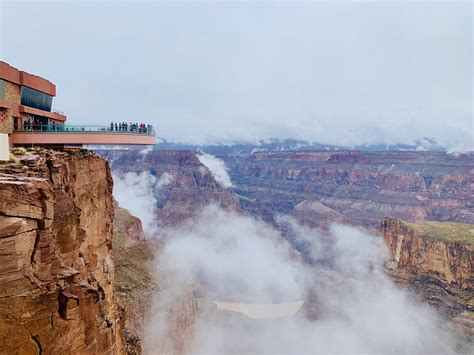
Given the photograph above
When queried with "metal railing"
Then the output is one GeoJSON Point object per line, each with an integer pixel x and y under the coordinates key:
{"type": "Point", "coordinates": [66, 128]}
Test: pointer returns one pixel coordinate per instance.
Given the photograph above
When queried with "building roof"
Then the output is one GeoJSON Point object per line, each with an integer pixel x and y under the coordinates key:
{"type": "Point", "coordinates": [19, 77]}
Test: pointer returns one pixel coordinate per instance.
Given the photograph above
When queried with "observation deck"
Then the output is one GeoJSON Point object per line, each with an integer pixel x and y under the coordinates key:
{"type": "Point", "coordinates": [63, 134]}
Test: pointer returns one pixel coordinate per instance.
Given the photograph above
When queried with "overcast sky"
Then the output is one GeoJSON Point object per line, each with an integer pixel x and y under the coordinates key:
{"type": "Point", "coordinates": [332, 72]}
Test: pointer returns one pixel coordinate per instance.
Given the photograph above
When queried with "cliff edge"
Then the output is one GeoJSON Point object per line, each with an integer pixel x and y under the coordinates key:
{"type": "Point", "coordinates": [435, 260]}
{"type": "Point", "coordinates": [56, 266]}
{"type": "Point", "coordinates": [441, 250]}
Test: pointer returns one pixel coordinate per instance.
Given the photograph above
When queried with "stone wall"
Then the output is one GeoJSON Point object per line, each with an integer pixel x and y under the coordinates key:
{"type": "Point", "coordinates": [11, 94]}
{"type": "Point", "coordinates": [6, 121]}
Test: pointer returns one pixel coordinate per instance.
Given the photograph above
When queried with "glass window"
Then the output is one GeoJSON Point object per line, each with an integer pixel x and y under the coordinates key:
{"type": "Point", "coordinates": [2, 95]}
{"type": "Point", "coordinates": [34, 98]}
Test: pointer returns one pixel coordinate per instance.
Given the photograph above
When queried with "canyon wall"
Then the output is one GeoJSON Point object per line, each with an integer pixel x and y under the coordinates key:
{"type": "Point", "coordinates": [436, 261]}
{"type": "Point", "coordinates": [56, 267]}
{"type": "Point", "coordinates": [318, 188]}
{"type": "Point", "coordinates": [134, 275]}
{"type": "Point", "coordinates": [127, 225]}
{"type": "Point", "coordinates": [184, 185]}
{"type": "Point", "coordinates": [444, 251]}
{"type": "Point", "coordinates": [353, 187]}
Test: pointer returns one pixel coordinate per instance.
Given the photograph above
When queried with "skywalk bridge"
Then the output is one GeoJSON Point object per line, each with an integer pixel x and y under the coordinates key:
{"type": "Point", "coordinates": [78, 135]}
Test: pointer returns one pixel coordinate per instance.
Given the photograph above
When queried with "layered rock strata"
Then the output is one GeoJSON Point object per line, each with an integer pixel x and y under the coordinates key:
{"type": "Point", "coordinates": [355, 187]}
{"type": "Point", "coordinates": [183, 185]}
{"type": "Point", "coordinates": [134, 276]}
{"type": "Point", "coordinates": [436, 260]}
{"type": "Point", "coordinates": [56, 267]}
{"type": "Point", "coordinates": [127, 225]}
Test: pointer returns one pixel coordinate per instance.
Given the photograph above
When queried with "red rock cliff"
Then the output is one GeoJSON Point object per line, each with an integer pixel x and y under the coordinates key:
{"type": "Point", "coordinates": [435, 261]}
{"type": "Point", "coordinates": [134, 280]}
{"type": "Point", "coordinates": [440, 250]}
{"type": "Point", "coordinates": [360, 187]}
{"type": "Point", "coordinates": [190, 185]}
{"type": "Point", "coordinates": [56, 267]}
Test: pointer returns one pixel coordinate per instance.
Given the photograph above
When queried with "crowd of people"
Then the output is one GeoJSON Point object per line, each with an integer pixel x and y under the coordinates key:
{"type": "Point", "coordinates": [34, 124]}
{"type": "Point", "coordinates": [131, 127]}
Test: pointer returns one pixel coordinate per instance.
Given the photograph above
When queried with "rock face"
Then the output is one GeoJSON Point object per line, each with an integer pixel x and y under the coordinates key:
{"type": "Point", "coordinates": [183, 187]}
{"type": "Point", "coordinates": [439, 250]}
{"type": "Point", "coordinates": [137, 282]}
{"type": "Point", "coordinates": [437, 261]}
{"type": "Point", "coordinates": [317, 215]}
{"type": "Point", "coordinates": [56, 266]}
{"type": "Point", "coordinates": [356, 187]}
{"type": "Point", "coordinates": [316, 187]}
{"type": "Point", "coordinates": [127, 225]}
{"type": "Point", "coordinates": [134, 276]}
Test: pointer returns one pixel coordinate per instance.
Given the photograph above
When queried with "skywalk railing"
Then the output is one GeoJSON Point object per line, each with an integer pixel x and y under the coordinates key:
{"type": "Point", "coordinates": [66, 128]}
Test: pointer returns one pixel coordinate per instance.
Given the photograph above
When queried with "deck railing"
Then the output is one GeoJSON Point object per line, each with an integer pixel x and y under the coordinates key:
{"type": "Point", "coordinates": [66, 128]}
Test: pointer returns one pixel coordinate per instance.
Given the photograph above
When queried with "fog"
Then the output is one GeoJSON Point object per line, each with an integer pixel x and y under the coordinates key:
{"type": "Point", "coordinates": [349, 306]}
{"type": "Point", "coordinates": [217, 168]}
{"type": "Point", "coordinates": [136, 193]}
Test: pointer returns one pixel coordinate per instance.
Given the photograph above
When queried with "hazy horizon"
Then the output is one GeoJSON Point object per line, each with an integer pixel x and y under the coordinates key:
{"type": "Point", "coordinates": [342, 73]}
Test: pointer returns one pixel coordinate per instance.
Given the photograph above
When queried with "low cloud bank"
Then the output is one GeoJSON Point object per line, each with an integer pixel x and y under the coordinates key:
{"type": "Point", "coordinates": [217, 168]}
{"type": "Point", "coordinates": [136, 193]}
{"type": "Point", "coordinates": [350, 305]}
{"type": "Point", "coordinates": [146, 150]}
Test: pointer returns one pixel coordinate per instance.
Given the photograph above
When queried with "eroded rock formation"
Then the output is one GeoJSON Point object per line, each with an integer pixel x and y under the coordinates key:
{"type": "Point", "coordinates": [134, 276]}
{"type": "Point", "coordinates": [318, 188]}
{"type": "Point", "coordinates": [436, 260]}
{"type": "Point", "coordinates": [56, 266]}
{"type": "Point", "coordinates": [356, 187]}
{"type": "Point", "coordinates": [440, 250]}
{"type": "Point", "coordinates": [184, 185]}
{"type": "Point", "coordinates": [127, 225]}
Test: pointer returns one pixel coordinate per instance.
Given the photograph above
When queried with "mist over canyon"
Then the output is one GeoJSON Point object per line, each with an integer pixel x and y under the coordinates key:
{"type": "Point", "coordinates": [287, 236]}
{"type": "Point", "coordinates": [175, 251]}
{"type": "Point", "coordinates": [350, 307]}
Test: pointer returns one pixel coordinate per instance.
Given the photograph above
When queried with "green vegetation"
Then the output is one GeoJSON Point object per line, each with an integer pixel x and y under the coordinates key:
{"type": "Point", "coordinates": [13, 159]}
{"type": "Point", "coordinates": [18, 151]}
{"type": "Point", "coordinates": [469, 314]}
{"type": "Point", "coordinates": [455, 232]}
{"type": "Point", "coordinates": [134, 280]}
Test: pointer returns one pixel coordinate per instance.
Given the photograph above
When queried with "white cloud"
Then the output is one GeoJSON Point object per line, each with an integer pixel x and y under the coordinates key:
{"type": "Point", "coordinates": [147, 149]}
{"type": "Point", "coordinates": [135, 192]}
{"type": "Point", "coordinates": [351, 306]}
{"type": "Point", "coordinates": [164, 180]}
{"type": "Point", "coordinates": [217, 168]}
